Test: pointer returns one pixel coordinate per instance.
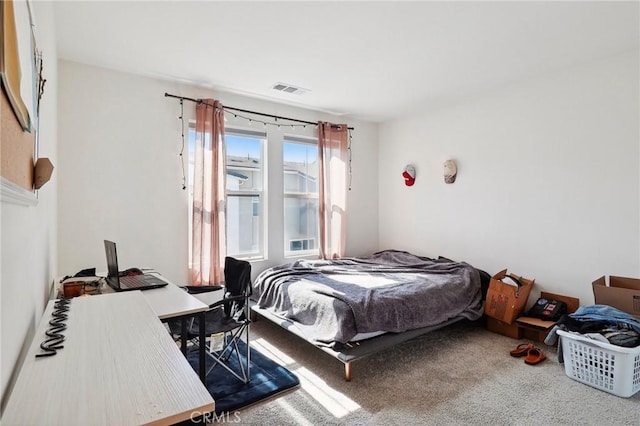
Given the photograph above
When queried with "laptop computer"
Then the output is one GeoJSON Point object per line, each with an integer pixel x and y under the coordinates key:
{"type": "Point", "coordinates": [135, 282]}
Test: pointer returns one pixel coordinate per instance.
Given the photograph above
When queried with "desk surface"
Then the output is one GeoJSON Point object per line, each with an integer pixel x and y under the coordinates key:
{"type": "Point", "coordinates": [118, 366]}
{"type": "Point", "coordinates": [172, 301]}
{"type": "Point", "coordinates": [167, 302]}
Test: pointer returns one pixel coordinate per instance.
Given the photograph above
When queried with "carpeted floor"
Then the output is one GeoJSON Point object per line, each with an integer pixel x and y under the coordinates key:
{"type": "Point", "coordinates": [267, 378]}
{"type": "Point", "coordinates": [462, 375]}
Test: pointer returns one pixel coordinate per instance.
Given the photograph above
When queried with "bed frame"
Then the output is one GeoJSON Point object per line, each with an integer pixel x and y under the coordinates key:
{"type": "Point", "coordinates": [356, 350]}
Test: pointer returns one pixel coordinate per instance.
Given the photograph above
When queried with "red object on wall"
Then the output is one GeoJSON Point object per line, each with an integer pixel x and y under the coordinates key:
{"type": "Point", "coordinates": [409, 175]}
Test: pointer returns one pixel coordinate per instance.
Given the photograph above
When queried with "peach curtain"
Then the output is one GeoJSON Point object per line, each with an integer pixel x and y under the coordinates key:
{"type": "Point", "coordinates": [334, 158]}
{"type": "Point", "coordinates": [209, 219]}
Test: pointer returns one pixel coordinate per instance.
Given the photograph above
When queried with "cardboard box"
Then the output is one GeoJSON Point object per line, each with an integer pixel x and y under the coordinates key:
{"type": "Point", "coordinates": [506, 301]}
{"type": "Point", "coordinates": [509, 330]}
{"type": "Point", "coordinates": [537, 329]}
{"type": "Point", "coordinates": [621, 293]}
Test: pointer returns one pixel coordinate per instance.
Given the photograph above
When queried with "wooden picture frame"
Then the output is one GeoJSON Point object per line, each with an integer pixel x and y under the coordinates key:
{"type": "Point", "coordinates": [22, 87]}
{"type": "Point", "coordinates": [18, 62]}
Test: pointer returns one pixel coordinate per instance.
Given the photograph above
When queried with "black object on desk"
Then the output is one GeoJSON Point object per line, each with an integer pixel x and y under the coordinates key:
{"type": "Point", "coordinates": [55, 338]}
{"type": "Point", "coordinates": [128, 282]}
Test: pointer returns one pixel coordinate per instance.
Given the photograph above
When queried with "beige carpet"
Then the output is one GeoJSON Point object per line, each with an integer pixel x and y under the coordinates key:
{"type": "Point", "coordinates": [462, 375]}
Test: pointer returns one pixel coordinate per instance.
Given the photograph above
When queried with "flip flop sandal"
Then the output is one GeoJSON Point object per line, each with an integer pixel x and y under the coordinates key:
{"type": "Point", "coordinates": [535, 356]}
{"type": "Point", "coordinates": [521, 350]}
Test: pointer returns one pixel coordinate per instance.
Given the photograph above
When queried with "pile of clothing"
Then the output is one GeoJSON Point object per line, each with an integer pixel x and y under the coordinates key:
{"type": "Point", "coordinates": [599, 322]}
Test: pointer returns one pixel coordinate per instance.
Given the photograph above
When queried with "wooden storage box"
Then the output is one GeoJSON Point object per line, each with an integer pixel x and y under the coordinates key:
{"type": "Point", "coordinates": [536, 329]}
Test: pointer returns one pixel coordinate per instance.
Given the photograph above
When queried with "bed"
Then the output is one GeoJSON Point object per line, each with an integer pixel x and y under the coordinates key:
{"type": "Point", "coordinates": [354, 307]}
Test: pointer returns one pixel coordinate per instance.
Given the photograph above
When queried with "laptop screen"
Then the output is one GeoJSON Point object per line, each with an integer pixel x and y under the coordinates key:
{"type": "Point", "coordinates": [112, 258]}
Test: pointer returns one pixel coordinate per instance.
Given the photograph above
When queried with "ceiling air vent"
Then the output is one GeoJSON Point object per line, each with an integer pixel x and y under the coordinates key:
{"type": "Point", "coordinates": [287, 88]}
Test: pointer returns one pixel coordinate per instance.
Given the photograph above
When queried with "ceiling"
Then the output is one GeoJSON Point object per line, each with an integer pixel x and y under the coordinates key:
{"type": "Point", "coordinates": [367, 60]}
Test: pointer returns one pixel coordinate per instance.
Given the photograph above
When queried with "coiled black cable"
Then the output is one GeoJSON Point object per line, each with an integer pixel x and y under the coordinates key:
{"type": "Point", "coordinates": [55, 338]}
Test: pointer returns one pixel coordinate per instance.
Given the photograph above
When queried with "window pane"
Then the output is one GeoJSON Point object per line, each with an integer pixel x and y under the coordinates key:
{"type": "Point", "coordinates": [301, 223]}
{"type": "Point", "coordinates": [300, 167]}
{"type": "Point", "coordinates": [243, 225]}
{"type": "Point", "coordinates": [245, 168]}
{"type": "Point", "coordinates": [244, 163]}
{"type": "Point", "coordinates": [244, 193]}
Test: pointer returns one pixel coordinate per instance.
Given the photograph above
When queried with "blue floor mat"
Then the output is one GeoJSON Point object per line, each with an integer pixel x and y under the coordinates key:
{"type": "Point", "coordinates": [267, 378]}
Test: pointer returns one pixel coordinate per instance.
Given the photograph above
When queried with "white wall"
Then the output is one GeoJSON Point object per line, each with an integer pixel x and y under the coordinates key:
{"type": "Point", "coordinates": [29, 258]}
{"type": "Point", "coordinates": [548, 183]}
{"type": "Point", "coordinates": [120, 178]}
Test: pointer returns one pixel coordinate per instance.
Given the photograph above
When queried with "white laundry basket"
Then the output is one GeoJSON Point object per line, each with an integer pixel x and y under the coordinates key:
{"type": "Point", "coordinates": [607, 367]}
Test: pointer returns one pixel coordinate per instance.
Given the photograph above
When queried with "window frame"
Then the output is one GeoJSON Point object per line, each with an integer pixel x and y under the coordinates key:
{"type": "Point", "coordinates": [261, 194]}
{"type": "Point", "coordinates": [310, 141]}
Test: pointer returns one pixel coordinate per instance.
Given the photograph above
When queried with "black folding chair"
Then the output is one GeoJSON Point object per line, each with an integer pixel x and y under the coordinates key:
{"type": "Point", "coordinates": [228, 317]}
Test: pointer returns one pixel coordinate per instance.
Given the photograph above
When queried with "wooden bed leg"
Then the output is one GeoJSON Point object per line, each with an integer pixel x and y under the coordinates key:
{"type": "Point", "coordinates": [347, 371]}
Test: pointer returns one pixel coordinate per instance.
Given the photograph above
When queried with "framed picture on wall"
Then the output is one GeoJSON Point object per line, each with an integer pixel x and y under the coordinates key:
{"type": "Point", "coordinates": [19, 62]}
{"type": "Point", "coordinates": [21, 87]}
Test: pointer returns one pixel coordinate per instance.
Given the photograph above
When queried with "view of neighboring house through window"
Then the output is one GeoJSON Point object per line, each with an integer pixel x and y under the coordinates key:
{"type": "Point", "coordinates": [300, 164]}
{"type": "Point", "coordinates": [245, 168]}
{"type": "Point", "coordinates": [245, 193]}
{"type": "Point", "coordinates": [245, 201]}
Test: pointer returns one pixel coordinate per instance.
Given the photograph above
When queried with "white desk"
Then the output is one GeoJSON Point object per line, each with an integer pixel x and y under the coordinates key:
{"type": "Point", "coordinates": [171, 301]}
{"type": "Point", "coordinates": [119, 366]}
{"type": "Point", "coordinates": [167, 302]}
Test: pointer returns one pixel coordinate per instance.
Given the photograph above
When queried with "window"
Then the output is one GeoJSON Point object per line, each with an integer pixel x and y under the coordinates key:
{"type": "Point", "coordinates": [245, 200]}
{"type": "Point", "coordinates": [248, 193]}
{"type": "Point", "coordinates": [300, 167]}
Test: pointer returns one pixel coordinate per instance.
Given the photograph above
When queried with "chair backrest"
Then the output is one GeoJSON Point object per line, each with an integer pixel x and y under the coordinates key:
{"type": "Point", "coordinates": [237, 276]}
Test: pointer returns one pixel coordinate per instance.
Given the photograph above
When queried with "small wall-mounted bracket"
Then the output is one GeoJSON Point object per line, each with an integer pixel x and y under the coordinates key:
{"type": "Point", "coordinates": [42, 172]}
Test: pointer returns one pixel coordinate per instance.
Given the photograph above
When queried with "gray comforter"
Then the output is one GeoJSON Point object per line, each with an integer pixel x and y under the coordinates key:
{"type": "Point", "coordinates": [391, 291]}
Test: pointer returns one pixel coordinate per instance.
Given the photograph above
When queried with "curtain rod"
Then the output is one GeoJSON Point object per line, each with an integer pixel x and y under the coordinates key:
{"type": "Point", "coordinates": [199, 101]}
